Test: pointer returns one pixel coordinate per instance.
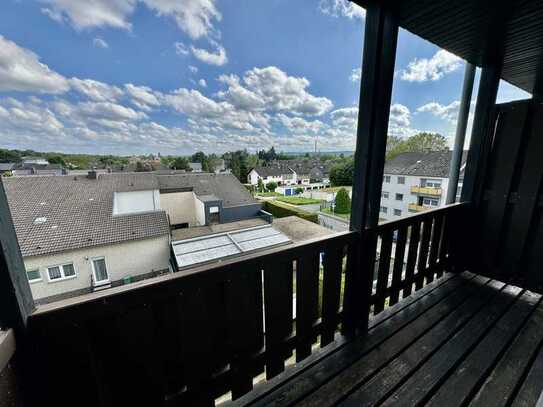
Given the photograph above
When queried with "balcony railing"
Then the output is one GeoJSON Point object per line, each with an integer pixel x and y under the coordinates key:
{"type": "Point", "coordinates": [417, 208]}
{"type": "Point", "coordinates": [195, 336]}
{"type": "Point", "coordinates": [431, 191]}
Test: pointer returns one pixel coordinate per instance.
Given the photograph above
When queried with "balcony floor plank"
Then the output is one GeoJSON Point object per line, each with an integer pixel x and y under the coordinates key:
{"type": "Point", "coordinates": [460, 340]}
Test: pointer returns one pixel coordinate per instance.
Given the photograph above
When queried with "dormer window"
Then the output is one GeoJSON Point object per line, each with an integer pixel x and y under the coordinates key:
{"type": "Point", "coordinates": [132, 202]}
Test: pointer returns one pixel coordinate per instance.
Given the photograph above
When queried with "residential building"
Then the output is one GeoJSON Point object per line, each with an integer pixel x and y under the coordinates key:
{"type": "Point", "coordinates": [6, 168]}
{"type": "Point", "coordinates": [38, 169]}
{"type": "Point", "coordinates": [292, 172]}
{"type": "Point", "coordinates": [28, 160]}
{"type": "Point", "coordinates": [415, 182]}
{"type": "Point", "coordinates": [195, 167]}
{"type": "Point", "coordinates": [79, 234]}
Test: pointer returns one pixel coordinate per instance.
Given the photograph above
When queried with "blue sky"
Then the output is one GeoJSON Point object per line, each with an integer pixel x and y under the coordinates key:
{"type": "Point", "coordinates": [177, 76]}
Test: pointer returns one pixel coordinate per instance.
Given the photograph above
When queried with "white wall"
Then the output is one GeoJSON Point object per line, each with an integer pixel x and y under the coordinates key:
{"type": "Point", "coordinates": [136, 201]}
{"type": "Point", "coordinates": [200, 211]}
{"type": "Point", "coordinates": [123, 259]}
{"type": "Point", "coordinates": [180, 207]}
{"type": "Point", "coordinates": [394, 188]}
{"type": "Point", "coordinates": [253, 177]}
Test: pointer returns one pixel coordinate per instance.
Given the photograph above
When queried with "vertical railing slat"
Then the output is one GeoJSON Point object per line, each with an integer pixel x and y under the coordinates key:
{"type": "Point", "coordinates": [399, 256]}
{"type": "Point", "coordinates": [307, 302]}
{"type": "Point", "coordinates": [333, 259]}
{"type": "Point", "coordinates": [411, 257]}
{"type": "Point", "coordinates": [383, 271]}
{"type": "Point", "coordinates": [423, 253]}
{"type": "Point", "coordinates": [278, 284]}
{"type": "Point", "coordinates": [434, 246]}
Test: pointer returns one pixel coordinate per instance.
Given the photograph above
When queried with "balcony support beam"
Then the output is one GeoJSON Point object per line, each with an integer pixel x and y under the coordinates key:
{"type": "Point", "coordinates": [461, 126]}
{"type": "Point", "coordinates": [380, 40]}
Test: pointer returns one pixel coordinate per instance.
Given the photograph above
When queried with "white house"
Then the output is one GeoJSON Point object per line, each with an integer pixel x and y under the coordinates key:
{"type": "Point", "coordinates": [79, 234]}
{"type": "Point", "coordinates": [279, 175]}
{"type": "Point", "coordinates": [414, 182]}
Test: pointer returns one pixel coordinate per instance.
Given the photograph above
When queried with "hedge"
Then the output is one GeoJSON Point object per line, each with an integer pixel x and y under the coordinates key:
{"type": "Point", "coordinates": [280, 210]}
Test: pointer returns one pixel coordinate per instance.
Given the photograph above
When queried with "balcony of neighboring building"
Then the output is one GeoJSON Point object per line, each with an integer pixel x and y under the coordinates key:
{"type": "Point", "coordinates": [426, 190]}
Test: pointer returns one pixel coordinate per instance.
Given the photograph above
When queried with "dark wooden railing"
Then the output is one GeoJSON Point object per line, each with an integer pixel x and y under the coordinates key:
{"type": "Point", "coordinates": [192, 337]}
{"type": "Point", "coordinates": [412, 252]}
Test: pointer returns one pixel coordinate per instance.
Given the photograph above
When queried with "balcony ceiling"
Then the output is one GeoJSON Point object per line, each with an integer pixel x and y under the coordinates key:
{"type": "Point", "coordinates": [469, 28]}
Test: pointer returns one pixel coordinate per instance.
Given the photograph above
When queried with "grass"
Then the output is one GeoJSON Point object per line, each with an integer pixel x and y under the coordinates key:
{"type": "Point", "coordinates": [267, 194]}
{"type": "Point", "coordinates": [335, 189]}
{"type": "Point", "coordinates": [296, 200]}
{"type": "Point", "coordinates": [341, 215]}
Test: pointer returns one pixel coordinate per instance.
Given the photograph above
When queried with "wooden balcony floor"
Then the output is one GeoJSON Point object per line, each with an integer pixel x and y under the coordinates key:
{"type": "Point", "coordinates": [463, 339]}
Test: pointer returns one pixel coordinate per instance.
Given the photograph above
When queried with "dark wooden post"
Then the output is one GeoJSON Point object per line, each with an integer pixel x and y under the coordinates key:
{"type": "Point", "coordinates": [16, 301]}
{"type": "Point", "coordinates": [380, 40]}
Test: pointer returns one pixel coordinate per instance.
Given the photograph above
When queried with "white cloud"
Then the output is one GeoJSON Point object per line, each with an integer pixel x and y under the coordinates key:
{"type": "Point", "coordinates": [83, 14]}
{"type": "Point", "coordinates": [202, 83]}
{"type": "Point", "coordinates": [95, 90]}
{"type": "Point", "coordinates": [399, 115]}
{"type": "Point", "coordinates": [447, 112]}
{"type": "Point", "coordinates": [281, 92]}
{"type": "Point", "coordinates": [193, 69]}
{"type": "Point", "coordinates": [345, 118]}
{"type": "Point", "coordinates": [343, 8]}
{"type": "Point", "coordinates": [218, 57]}
{"type": "Point", "coordinates": [195, 17]}
{"type": "Point", "coordinates": [181, 48]}
{"type": "Point", "coordinates": [100, 43]}
{"type": "Point", "coordinates": [356, 75]}
{"type": "Point", "coordinates": [433, 69]}
{"type": "Point", "coordinates": [142, 97]}
{"type": "Point", "coordinates": [300, 125]}
{"type": "Point", "coordinates": [21, 70]}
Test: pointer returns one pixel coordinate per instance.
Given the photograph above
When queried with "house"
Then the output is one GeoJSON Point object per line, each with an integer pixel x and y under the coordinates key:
{"type": "Point", "coordinates": [38, 170]}
{"type": "Point", "coordinates": [291, 172]}
{"type": "Point", "coordinates": [195, 167]}
{"type": "Point", "coordinates": [6, 168]}
{"type": "Point", "coordinates": [415, 182]}
{"type": "Point", "coordinates": [28, 160]}
{"type": "Point", "coordinates": [78, 234]}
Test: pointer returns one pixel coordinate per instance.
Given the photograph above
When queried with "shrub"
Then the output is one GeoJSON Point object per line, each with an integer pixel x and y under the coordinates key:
{"type": "Point", "coordinates": [299, 191]}
{"type": "Point", "coordinates": [280, 210]}
{"type": "Point", "coordinates": [343, 202]}
{"type": "Point", "coordinates": [271, 186]}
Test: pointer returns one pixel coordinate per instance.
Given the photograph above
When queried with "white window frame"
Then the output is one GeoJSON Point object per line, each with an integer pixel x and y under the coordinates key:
{"type": "Point", "coordinates": [383, 209]}
{"type": "Point", "coordinates": [395, 212]}
{"type": "Point", "coordinates": [401, 178]}
{"type": "Point", "coordinates": [387, 179]}
{"type": "Point", "coordinates": [432, 183]}
{"type": "Point", "coordinates": [430, 202]}
{"type": "Point", "coordinates": [385, 194]}
{"type": "Point", "coordinates": [95, 280]}
{"type": "Point", "coordinates": [398, 195]}
{"type": "Point", "coordinates": [62, 275]}
{"type": "Point", "coordinates": [36, 280]}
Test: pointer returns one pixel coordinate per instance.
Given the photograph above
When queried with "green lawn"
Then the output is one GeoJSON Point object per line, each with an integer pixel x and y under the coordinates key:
{"type": "Point", "coordinates": [296, 200]}
{"type": "Point", "coordinates": [341, 215]}
{"type": "Point", "coordinates": [267, 194]}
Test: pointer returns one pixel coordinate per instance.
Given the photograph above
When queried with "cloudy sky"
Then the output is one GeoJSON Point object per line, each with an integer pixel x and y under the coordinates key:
{"type": "Point", "coordinates": [176, 76]}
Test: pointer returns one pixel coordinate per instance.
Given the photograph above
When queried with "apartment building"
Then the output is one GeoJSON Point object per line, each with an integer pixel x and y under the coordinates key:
{"type": "Point", "coordinates": [292, 172]}
{"type": "Point", "coordinates": [415, 182]}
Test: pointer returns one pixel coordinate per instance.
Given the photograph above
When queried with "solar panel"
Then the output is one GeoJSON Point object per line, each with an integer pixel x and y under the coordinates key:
{"type": "Point", "coordinates": [203, 249]}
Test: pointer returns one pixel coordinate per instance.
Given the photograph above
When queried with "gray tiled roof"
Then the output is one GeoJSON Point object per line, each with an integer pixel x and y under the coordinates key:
{"type": "Point", "coordinates": [272, 171]}
{"type": "Point", "coordinates": [224, 186]}
{"type": "Point", "coordinates": [7, 166]}
{"type": "Point", "coordinates": [430, 163]}
{"type": "Point", "coordinates": [79, 212]}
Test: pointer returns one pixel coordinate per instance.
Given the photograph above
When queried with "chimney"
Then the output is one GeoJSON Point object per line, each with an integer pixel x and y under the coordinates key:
{"type": "Point", "coordinates": [92, 174]}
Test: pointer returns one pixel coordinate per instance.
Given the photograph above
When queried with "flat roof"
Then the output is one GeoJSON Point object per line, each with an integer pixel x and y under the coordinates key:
{"type": "Point", "coordinates": [205, 249]}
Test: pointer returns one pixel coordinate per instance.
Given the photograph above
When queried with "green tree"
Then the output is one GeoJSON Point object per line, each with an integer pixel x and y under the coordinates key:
{"type": "Point", "coordinates": [271, 186]}
{"type": "Point", "coordinates": [343, 202]}
{"type": "Point", "coordinates": [260, 185]}
{"type": "Point", "coordinates": [299, 191]}
{"type": "Point", "coordinates": [342, 173]}
{"type": "Point", "coordinates": [180, 163]}
{"type": "Point", "coordinates": [420, 142]}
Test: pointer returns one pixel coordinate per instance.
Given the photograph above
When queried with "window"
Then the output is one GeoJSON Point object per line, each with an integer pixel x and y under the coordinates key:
{"type": "Point", "coordinates": [384, 209]}
{"type": "Point", "coordinates": [430, 202]}
{"type": "Point", "coordinates": [397, 212]}
{"type": "Point", "coordinates": [431, 183]}
{"type": "Point", "coordinates": [61, 272]}
{"type": "Point", "coordinates": [399, 197]}
{"type": "Point", "coordinates": [33, 275]}
{"type": "Point", "coordinates": [401, 180]}
{"type": "Point", "coordinates": [387, 179]}
{"type": "Point", "coordinates": [384, 195]}
{"type": "Point", "coordinates": [99, 270]}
